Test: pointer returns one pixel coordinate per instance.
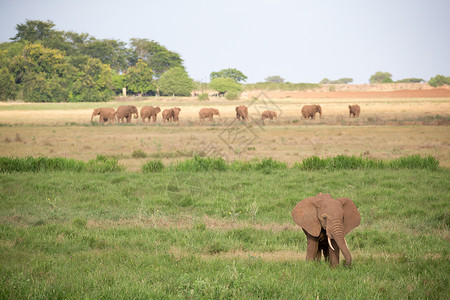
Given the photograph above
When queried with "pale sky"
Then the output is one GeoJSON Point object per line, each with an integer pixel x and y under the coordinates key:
{"type": "Point", "coordinates": [301, 41]}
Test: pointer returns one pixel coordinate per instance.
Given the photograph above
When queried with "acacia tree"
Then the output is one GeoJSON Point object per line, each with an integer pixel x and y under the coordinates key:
{"type": "Point", "coordinates": [223, 85]}
{"type": "Point", "coordinates": [439, 80]}
{"type": "Point", "coordinates": [176, 81]}
{"type": "Point", "coordinates": [234, 74]}
{"type": "Point", "coordinates": [276, 79]}
{"type": "Point", "coordinates": [381, 77]}
{"type": "Point", "coordinates": [139, 79]}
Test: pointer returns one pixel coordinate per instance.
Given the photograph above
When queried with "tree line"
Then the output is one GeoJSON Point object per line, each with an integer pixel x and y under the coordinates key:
{"type": "Point", "coordinates": [42, 64]}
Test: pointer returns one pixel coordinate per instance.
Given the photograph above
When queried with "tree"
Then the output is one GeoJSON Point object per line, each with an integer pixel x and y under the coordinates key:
{"type": "Point", "coordinates": [139, 79]}
{"type": "Point", "coordinates": [339, 81]}
{"type": "Point", "coordinates": [34, 30]}
{"type": "Point", "coordinates": [176, 81]}
{"type": "Point", "coordinates": [93, 82]}
{"type": "Point", "coordinates": [110, 52]}
{"type": "Point", "coordinates": [224, 84]}
{"type": "Point", "coordinates": [234, 74]}
{"type": "Point", "coordinates": [410, 80]}
{"type": "Point", "coordinates": [158, 58]}
{"type": "Point", "coordinates": [439, 80]}
{"type": "Point", "coordinates": [276, 79]}
{"type": "Point", "coordinates": [381, 77]}
{"type": "Point", "coordinates": [43, 74]}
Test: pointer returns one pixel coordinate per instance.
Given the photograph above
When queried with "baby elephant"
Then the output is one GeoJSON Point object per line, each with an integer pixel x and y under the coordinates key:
{"type": "Point", "coordinates": [268, 114]}
{"type": "Point", "coordinates": [242, 112]}
{"type": "Point", "coordinates": [354, 111]}
{"type": "Point", "coordinates": [149, 112]}
{"type": "Point", "coordinates": [208, 113]}
{"type": "Point", "coordinates": [171, 114]}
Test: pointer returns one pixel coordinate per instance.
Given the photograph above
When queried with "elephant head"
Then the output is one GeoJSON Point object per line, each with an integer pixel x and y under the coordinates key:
{"type": "Point", "coordinates": [96, 112]}
{"type": "Point", "coordinates": [134, 111]}
{"type": "Point", "coordinates": [336, 217]}
{"type": "Point", "coordinates": [319, 110]}
{"type": "Point", "coordinates": [215, 111]}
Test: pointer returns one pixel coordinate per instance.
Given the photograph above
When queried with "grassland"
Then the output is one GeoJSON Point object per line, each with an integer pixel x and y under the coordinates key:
{"type": "Point", "coordinates": [218, 235]}
{"type": "Point", "coordinates": [222, 234]}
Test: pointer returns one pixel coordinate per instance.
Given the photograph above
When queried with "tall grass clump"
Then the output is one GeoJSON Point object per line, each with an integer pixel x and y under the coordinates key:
{"type": "Point", "coordinates": [199, 163]}
{"type": "Point", "coordinates": [104, 164]}
{"type": "Point", "coordinates": [153, 166]}
{"type": "Point", "coordinates": [138, 153]}
{"type": "Point", "coordinates": [345, 162]}
{"type": "Point", "coordinates": [40, 164]}
{"type": "Point", "coordinates": [414, 162]}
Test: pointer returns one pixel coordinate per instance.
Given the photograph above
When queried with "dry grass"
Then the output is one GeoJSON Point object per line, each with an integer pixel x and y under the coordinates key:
{"type": "Point", "coordinates": [388, 128]}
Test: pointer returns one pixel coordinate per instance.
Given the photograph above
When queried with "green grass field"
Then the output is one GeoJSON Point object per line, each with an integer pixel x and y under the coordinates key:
{"type": "Point", "coordinates": [218, 234]}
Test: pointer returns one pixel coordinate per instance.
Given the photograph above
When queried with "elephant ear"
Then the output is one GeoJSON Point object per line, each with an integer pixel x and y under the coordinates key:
{"type": "Point", "coordinates": [352, 217]}
{"type": "Point", "coordinates": [305, 216]}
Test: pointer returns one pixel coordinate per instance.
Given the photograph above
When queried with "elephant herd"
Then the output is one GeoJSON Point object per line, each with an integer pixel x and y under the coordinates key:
{"type": "Point", "coordinates": [125, 113]}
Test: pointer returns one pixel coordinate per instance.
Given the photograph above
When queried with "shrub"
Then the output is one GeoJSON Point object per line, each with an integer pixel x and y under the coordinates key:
{"type": "Point", "coordinates": [439, 80]}
{"type": "Point", "coordinates": [153, 166]}
{"type": "Point", "coordinates": [104, 164]}
{"type": "Point", "coordinates": [232, 95]}
{"type": "Point", "coordinates": [203, 96]}
{"type": "Point", "coordinates": [138, 154]}
{"type": "Point", "coordinates": [415, 162]}
{"type": "Point", "coordinates": [202, 164]}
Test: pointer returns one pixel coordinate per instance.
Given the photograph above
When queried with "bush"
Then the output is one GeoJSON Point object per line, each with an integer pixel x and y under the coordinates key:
{"type": "Point", "coordinates": [232, 95]}
{"type": "Point", "coordinates": [104, 164]}
{"type": "Point", "coordinates": [138, 154]}
{"type": "Point", "coordinates": [439, 80]}
{"type": "Point", "coordinates": [202, 164]}
{"type": "Point", "coordinates": [153, 166]}
{"type": "Point", "coordinates": [40, 164]}
{"type": "Point", "coordinates": [203, 96]}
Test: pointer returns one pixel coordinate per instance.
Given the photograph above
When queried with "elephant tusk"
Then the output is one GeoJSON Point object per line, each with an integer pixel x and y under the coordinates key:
{"type": "Point", "coordinates": [346, 243]}
{"type": "Point", "coordinates": [329, 243]}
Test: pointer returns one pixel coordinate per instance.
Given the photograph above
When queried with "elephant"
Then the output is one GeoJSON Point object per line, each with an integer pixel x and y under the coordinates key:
{"type": "Point", "coordinates": [309, 111]}
{"type": "Point", "coordinates": [354, 111]}
{"type": "Point", "coordinates": [268, 114]}
{"type": "Point", "coordinates": [171, 114]}
{"type": "Point", "coordinates": [208, 113]}
{"type": "Point", "coordinates": [107, 114]}
{"type": "Point", "coordinates": [242, 112]}
{"type": "Point", "coordinates": [149, 112]}
{"type": "Point", "coordinates": [125, 112]}
{"type": "Point", "coordinates": [325, 222]}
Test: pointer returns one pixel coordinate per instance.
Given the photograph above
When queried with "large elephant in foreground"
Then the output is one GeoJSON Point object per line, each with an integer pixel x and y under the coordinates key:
{"type": "Point", "coordinates": [325, 222]}
{"type": "Point", "coordinates": [242, 112]}
{"type": "Point", "coordinates": [309, 111]}
{"type": "Point", "coordinates": [107, 114]}
{"type": "Point", "coordinates": [125, 112]}
{"type": "Point", "coordinates": [354, 110]}
{"type": "Point", "coordinates": [268, 114]}
{"type": "Point", "coordinates": [171, 114]}
{"type": "Point", "coordinates": [149, 112]}
{"type": "Point", "coordinates": [208, 113]}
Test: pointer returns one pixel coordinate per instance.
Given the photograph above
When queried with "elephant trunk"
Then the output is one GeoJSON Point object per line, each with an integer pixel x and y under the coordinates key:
{"type": "Point", "coordinates": [338, 235]}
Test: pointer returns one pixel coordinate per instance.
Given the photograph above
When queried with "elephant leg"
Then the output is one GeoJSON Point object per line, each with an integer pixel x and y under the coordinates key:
{"type": "Point", "coordinates": [312, 246]}
{"type": "Point", "coordinates": [334, 254]}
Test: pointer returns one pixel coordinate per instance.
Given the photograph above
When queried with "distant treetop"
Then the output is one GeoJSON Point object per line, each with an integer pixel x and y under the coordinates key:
{"type": "Point", "coordinates": [234, 74]}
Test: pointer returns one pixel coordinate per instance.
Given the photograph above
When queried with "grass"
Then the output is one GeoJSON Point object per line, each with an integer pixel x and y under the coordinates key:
{"type": "Point", "coordinates": [228, 234]}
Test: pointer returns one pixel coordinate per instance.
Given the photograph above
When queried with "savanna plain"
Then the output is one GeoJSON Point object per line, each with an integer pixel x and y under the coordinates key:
{"type": "Point", "coordinates": [198, 233]}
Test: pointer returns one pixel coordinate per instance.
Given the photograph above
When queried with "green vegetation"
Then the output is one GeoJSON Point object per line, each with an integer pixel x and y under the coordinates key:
{"type": "Point", "coordinates": [176, 81]}
{"type": "Point", "coordinates": [339, 81]}
{"type": "Point", "coordinates": [276, 79]}
{"type": "Point", "coordinates": [439, 80]}
{"type": "Point", "coordinates": [284, 86]}
{"type": "Point", "coordinates": [234, 74]}
{"type": "Point", "coordinates": [228, 234]}
{"type": "Point", "coordinates": [410, 80]}
{"type": "Point", "coordinates": [43, 64]}
{"type": "Point", "coordinates": [381, 77]}
{"type": "Point", "coordinates": [101, 164]}
{"type": "Point", "coordinates": [224, 84]}
{"type": "Point", "coordinates": [198, 163]}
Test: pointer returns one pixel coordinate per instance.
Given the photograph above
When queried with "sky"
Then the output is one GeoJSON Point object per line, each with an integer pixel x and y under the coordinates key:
{"type": "Point", "coordinates": [301, 41]}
